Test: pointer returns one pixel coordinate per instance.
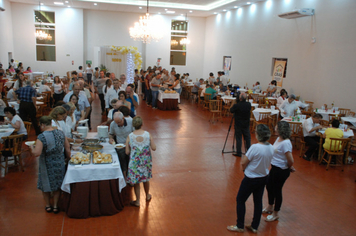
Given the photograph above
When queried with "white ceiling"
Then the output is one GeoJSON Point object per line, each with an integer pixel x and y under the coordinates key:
{"type": "Point", "coordinates": [200, 8]}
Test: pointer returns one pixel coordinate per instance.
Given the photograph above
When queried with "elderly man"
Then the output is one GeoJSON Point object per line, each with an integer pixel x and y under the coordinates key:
{"type": "Point", "coordinates": [288, 106]}
{"type": "Point", "coordinates": [43, 87]}
{"type": "Point", "coordinates": [155, 84]}
{"type": "Point", "coordinates": [112, 93]}
{"type": "Point", "coordinates": [121, 128]}
{"type": "Point", "coordinates": [133, 99]}
{"type": "Point", "coordinates": [310, 127]}
{"type": "Point", "coordinates": [83, 102]}
{"type": "Point", "coordinates": [123, 81]}
{"type": "Point", "coordinates": [241, 111]}
{"type": "Point", "coordinates": [98, 85]}
{"type": "Point", "coordinates": [112, 76]}
{"type": "Point", "coordinates": [27, 96]}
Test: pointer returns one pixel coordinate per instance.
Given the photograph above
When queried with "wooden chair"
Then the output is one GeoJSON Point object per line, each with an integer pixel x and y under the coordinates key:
{"type": "Point", "coordinates": [333, 117]}
{"type": "Point", "coordinates": [352, 113]}
{"type": "Point", "coordinates": [200, 100]}
{"type": "Point", "coordinates": [302, 142]}
{"type": "Point", "coordinates": [28, 127]}
{"type": "Point", "coordinates": [337, 149]}
{"type": "Point", "coordinates": [215, 107]}
{"type": "Point", "coordinates": [261, 100]}
{"type": "Point", "coordinates": [254, 96]}
{"type": "Point", "coordinates": [295, 128]}
{"type": "Point", "coordinates": [6, 101]}
{"type": "Point", "coordinates": [344, 111]}
{"type": "Point", "coordinates": [39, 110]}
{"type": "Point", "coordinates": [272, 122]}
{"type": "Point", "coordinates": [12, 147]}
{"type": "Point", "coordinates": [324, 123]}
{"type": "Point", "coordinates": [207, 97]}
{"type": "Point", "coordinates": [263, 118]}
{"type": "Point", "coordinates": [272, 102]}
{"type": "Point", "coordinates": [47, 99]}
{"type": "Point", "coordinates": [226, 107]}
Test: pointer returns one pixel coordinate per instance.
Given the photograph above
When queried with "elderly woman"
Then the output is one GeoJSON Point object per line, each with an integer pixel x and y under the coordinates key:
{"type": "Point", "coordinates": [15, 121]}
{"type": "Point", "coordinates": [255, 165]}
{"type": "Point", "coordinates": [282, 165]}
{"type": "Point", "coordinates": [70, 121]}
{"type": "Point", "coordinates": [51, 146]}
{"type": "Point", "coordinates": [59, 116]}
{"type": "Point", "coordinates": [138, 145]}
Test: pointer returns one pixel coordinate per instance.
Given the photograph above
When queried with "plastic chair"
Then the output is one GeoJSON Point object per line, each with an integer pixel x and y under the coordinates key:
{"type": "Point", "coordinates": [337, 149]}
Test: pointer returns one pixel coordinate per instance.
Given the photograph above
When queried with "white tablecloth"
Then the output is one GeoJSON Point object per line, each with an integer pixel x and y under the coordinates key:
{"type": "Point", "coordinates": [94, 172]}
{"type": "Point", "coordinates": [290, 120]}
{"type": "Point", "coordinates": [38, 73]}
{"type": "Point", "coordinates": [255, 105]}
{"type": "Point", "coordinates": [8, 132]}
{"type": "Point", "coordinates": [257, 111]}
{"type": "Point", "coordinates": [242, 90]}
{"type": "Point", "coordinates": [9, 83]}
{"type": "Point", "coordinates": [225, 98]}
{"type": "Point", "coordinates": [28, 75]}
{"type": "Point", "coordinates": [271, 98]}
{"type": "Point", "coordinates": [351, 120]}
{"type": "Point", "coordinates": [15, 105]}
{"type": "Point", "coordinates": [162, 95]}
{"type": "Point", "coordinates": [325, 113]}
{"type": "Point", "coordinates": [347, 134]}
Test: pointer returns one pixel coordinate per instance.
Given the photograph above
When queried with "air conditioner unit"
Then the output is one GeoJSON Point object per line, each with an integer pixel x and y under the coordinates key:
{"type": "Point", "coordinates": [297, 13]}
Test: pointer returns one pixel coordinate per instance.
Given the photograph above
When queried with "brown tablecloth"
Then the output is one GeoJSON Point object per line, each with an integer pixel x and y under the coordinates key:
{"type": "Point", "coordinates": [94, 198]}
{"type": "Point", "coordinates": [168, 104]}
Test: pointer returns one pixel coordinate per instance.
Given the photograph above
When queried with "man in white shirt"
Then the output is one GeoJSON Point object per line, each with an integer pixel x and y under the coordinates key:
{"type": "Point", "coordinates": [44, 88]}
{"type": "Point", "coordinates": [223, 79]}
{"type": "Point", "coordinates": [123, 82]}
{"type": "Point", "coordinates": [288, 106]}
{"type": "Point", "coordinates": [112, 93]}
{"type": "Point", "coordinates": [310, 127]}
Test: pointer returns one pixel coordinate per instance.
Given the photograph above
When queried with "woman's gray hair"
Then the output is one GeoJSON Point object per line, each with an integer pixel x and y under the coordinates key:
{"type": "Point", "coordinates": [284, 129]}
{"type": "Point", "coordinates": [263, 133]}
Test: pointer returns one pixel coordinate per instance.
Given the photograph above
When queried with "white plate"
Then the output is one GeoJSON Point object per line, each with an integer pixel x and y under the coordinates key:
{"type": "Point", "coordinates": [78, 134]}
{"type": "Point", "coordinates": [120, 146]}
{"type": "Point", "coordinates": [83, 121]}
{"type": "Point", "coordinates": [30, 143]}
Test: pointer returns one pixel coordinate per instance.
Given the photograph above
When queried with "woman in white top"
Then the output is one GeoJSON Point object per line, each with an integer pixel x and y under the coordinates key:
{"type": "Point", "coordinates": [89, 71]}
{"type": "Point", "coordinates": [176, 85]}
{"type": "Point", "coordinates": [282, 98]}
{"type": "Point", "coordinates": [59, 116]}
{"type": "Point", "coordinates": [108, 85]}
{"type": "Point", "coordinates": [255, 165]}
{"type": "Point", "coordinates": [20, 82]}
{"type": "Point", "coordinates": [58, 90]}
{"type": "Point", "coordinates": [282, 165]}
{"type": "Point", "coordinates": [11, 95]}
{"type": "Point", "coordinates": [15, 121]}
{"type": "Point", "coordinates": [71, 121]}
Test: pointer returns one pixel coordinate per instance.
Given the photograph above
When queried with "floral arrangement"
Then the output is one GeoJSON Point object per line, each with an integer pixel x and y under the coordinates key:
{"type": "Point", "coordinates": [133, 50]}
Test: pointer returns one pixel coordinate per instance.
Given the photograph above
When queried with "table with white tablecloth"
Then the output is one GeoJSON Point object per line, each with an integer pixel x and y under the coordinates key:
{"type": "Point", "coordinates": [168, 101]}
{"type": "Point", "coordinates": [38, 74]}
{"type": "Point", "coordinates": [255, 105]}
{"type": "Point", "coordinates": [15, 105]}
{"type": "Point", "coordinates": [9, 83]}
{"type": "Point", "coordinates": [227, 98]}
{"type": "Point", "coordinates": [351, 120]}
{"type": "Point", "coordinates": [5, 131]}
{"type": "Point", "coordinates": [257, 111]}
{"type": "Point", "coordinates": [325, 113]}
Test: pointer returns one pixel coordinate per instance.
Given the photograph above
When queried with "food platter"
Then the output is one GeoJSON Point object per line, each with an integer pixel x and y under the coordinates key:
{"type": "Point", "coordinates": [92, 148]}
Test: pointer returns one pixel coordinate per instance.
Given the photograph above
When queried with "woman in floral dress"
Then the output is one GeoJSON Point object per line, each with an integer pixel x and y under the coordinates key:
{"type": "Point", "coordinates": [138, 145]}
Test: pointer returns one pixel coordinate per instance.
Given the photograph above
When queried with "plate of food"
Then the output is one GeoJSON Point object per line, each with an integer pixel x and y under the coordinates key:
{"type": "Point", "coordinates": [120, 146]}
{"type": "Point", "coordinates": [80, 159]}
{"type": "Point", "coordinates": [30, 143]}
{"type": "Point", "coordinates": [101, 158]}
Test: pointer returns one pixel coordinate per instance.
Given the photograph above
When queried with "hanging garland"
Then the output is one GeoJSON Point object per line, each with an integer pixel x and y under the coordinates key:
{"type": "Point", "coordinates": [133, 50]}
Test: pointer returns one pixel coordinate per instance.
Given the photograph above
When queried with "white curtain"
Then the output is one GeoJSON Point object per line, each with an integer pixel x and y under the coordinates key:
{"type": "Point", "coordinates": [114, 61]}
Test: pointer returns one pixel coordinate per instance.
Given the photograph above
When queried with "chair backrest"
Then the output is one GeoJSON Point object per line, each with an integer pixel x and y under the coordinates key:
{"type": "Point", "coordinates": [344, 111]}
{"type": "Point", "coordinates": [263, 116]}
{"type": "Point", "coordinates": [207, 96]}
{"type": "Point", "coordinates": [301, 134]}
{"type": "Point", "coordinates": [28, 127]}
{"type": "Point", "coordinates": [295, 128]}
{"type": "Point", "coordinates": [333, 117]}
{"type": "Point", "coordinates": [261, 99]}
{"type": "Point", "coordinates": [6, 101]}
{"type": "Point", "coordinates": [337, 145]}
{"type": "Point", "coordinates": [215, 105]}
{"type": "Point", "coordinates": [13, 143]}
{"type": "Point", "coordinates": [272, 102]}
{"type": "Point", "coordinates": [352, 113]}
{"type": "Point", "coordinates": [324, 123]}
{"type": "Point", "coordinates": [254, 97]}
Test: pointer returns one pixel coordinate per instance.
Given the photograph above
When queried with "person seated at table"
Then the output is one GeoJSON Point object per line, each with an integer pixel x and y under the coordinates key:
{"type": "Point", "coordinates": [2, 107]}
{"type": "Point", "coordinates": [28, 70]}
{"type": "Point", "coordinates": [12, 70]}
{"type": "Point", "coordinates": [257, 87]}
{"type": "Point", "coordinates": [120, 128]}
{"type": "Point", "coordinates": [333, 132]}
{"type": "Point", "coordinates": [272, 88]}
{"type": "Point", "coordinates": [210, 90]}
{"type": "Point", "coordinates": [282, 98]}
{"type": "Point", "coordinates": [310, 127]}
{"type": "Point", "coordinates": [196, 87]}
{"type": "Point", "coordinates": [14, 121]}
{"type": "Point", "coordinates": [138, 145]}
{"type": "Point", "coordinates": [52, 147]}
{"type": "Point", "coordinates": [222, 88]}
{"type": "Point", "coordinates": [44, 88]}
{"type": "Point", "coordinates": [288, 106]}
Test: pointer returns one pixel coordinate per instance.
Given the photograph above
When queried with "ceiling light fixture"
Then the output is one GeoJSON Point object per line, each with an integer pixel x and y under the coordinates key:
{"type": "Point", "coordinates": [145, 30]}
{"type": "Point", "coordinates": [236, 7]}
{"type": "Point", "coordinates": [166, 9]}
{"type": "Point", "coordinates": [140, 8]}
{"type": "Point", "coordinates": [95, 4]}
{"type": "Point", "coordinates": [248, 3]}
{"type": "Point", "coordinates": [41, 34]}
{"type": "Point", "coordinates": [224, 10]}
{"type": "Point", "coordinates": [66, 1]}
{"type": "Point", "coordinates": [190, 11]}
{"type": "Point", "coordinates": [58, 3]}
{"type": "Point", "coordinates": [170, 12]}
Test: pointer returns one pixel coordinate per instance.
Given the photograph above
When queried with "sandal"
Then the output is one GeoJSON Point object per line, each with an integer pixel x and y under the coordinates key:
{"type": "Point", "coordinates": [48, 209]}
{"type": "Point", "coordinates": [133, 203]}
{"type": "Point", "coordinates": [149, 198]}
{"type": "Point", "coordinates": [56, 210]}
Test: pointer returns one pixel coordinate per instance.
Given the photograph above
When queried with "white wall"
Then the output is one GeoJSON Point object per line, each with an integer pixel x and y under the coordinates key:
{"type": "Point", "coordinates": [322, 72]}
{"type": "Point", "coordinates": [69, 38]}
{"type": "Point", "coordinates": [6, 39]}
{"type": "Point", "coordinates": [112, 28]}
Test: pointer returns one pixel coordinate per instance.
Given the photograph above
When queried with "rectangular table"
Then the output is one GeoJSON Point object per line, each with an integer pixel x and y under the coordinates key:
{"type": "Point", "coordinates": [257, 111]}
{"type": "Point", "coordinates": [351, 120]}
{"type": "Point", "coordinates": [325, 113]}
{"type": "Point", "coordinates": [168, 101]}
{"type": "Point", "coordinates": [94, 189]}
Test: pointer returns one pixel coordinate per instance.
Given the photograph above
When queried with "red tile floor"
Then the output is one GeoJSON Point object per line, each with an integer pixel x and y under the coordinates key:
{"type": "Point", "coordinates": [194, 188]}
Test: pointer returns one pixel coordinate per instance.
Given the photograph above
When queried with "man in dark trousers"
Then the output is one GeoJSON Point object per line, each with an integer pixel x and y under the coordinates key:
{"type": "Point", "coordinates": [27, 96]}
{"type": "Point", "coordinates": [241, 110]}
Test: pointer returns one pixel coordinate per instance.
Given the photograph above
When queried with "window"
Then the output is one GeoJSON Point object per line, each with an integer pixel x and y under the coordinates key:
{"type": "Point", "coordinates": [179, 41]}
{"type": "Point", "coordinates": [45, 47]}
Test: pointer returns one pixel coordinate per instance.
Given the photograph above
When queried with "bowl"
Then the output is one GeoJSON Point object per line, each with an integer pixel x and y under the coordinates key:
{"type": "Point", "coordinates": [120, 146]}
{"type": "Point", "coordinates": [93, 148]}
{"type": "Point", "coordinates": [90, 142]}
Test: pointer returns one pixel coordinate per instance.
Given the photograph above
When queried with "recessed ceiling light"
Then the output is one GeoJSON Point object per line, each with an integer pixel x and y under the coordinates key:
{"type": "Point", "coordinates": [95, 4]}
{"type": "Point", "coordinates": [166, 9]}
{"type": "Point", "coordinates": [66, 1]}
{"type": "Point", "coordinates": [224, 10]}
{"type": "Point", "coordinates": [41, 4]}
{"type": "Point", "coordinates": [170, 12]}
{"type": "Point", "coordinates": [58, 3]}
{"type": "Point", "coordinates": [140, 8]}
{"type": "Point", "coordinates": [68, 6]}
{"type": "Point", "coordinates": [190, 11]}
{"type": "Point", "coordinates": [235, 6]}
{"type": "Point", "coordinates": [215, 13]}
{"type": "Point", "coordinates": [248, 3]}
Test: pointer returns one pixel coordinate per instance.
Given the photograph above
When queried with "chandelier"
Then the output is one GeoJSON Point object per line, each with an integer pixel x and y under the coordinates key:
{"type": "Point", "coordinates": [145, 30]}
{"type": "Point", "coordinates": [41, 34]}
{"type": "Point", "coordinates": [184, 41]}
{"type": "Point", "coordinates": [174, 42]}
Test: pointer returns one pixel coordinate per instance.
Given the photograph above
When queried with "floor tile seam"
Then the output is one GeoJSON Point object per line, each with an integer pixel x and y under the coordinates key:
{"type": "Point", "coordinates": [63, 224]}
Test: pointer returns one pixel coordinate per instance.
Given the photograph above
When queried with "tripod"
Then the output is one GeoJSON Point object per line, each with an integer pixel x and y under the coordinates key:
{"type": "Point", "coordinates": [233, 142]}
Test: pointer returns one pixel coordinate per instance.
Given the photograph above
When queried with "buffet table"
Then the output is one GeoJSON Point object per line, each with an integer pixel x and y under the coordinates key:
{"type": "Point", "coordinates": [93, 189]}
{"type": "Point", "coordinates": [168, 101]}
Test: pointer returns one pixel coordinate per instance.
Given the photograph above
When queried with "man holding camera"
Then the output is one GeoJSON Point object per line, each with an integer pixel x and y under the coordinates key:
{"type": "Point", "coordinates": [241, 110]}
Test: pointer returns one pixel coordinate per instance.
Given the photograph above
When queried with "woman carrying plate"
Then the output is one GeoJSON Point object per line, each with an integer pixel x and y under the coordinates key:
{"type": "Point", "coordinates": [51, 147]}
{"type": "Point", "coordinates": [138, 145]}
